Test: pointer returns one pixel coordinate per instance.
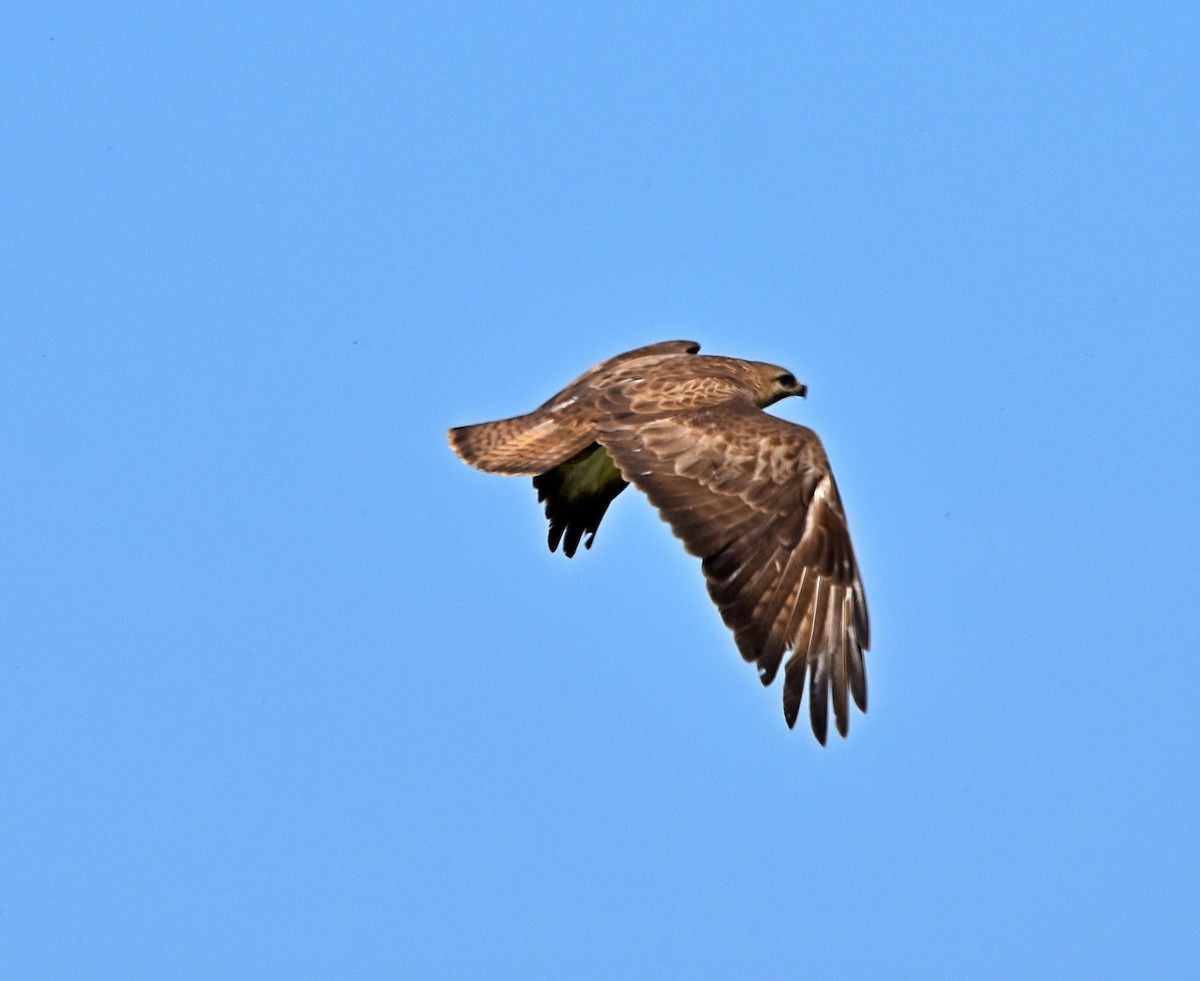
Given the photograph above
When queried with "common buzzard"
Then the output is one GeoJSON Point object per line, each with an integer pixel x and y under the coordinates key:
{"type": "Point", "coordinates": [751, 494]}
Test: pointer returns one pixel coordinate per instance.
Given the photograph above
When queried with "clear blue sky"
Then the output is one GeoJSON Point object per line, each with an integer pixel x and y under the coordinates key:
{"type": "Point", "coordinates": [287, 691]}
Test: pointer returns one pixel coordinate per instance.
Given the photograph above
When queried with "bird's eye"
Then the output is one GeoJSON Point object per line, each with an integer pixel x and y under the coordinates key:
{"type": "Point", "coordinates": [787, 380]}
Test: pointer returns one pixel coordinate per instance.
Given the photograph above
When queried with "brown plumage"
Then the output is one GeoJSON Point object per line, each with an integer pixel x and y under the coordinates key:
{"type": "Point", "coordinates": [750, 494]}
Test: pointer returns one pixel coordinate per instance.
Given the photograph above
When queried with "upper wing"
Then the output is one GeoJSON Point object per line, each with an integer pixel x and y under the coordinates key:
{"type": "Point", "coordinates": [559, 428]}
{"type": "Point", "coordinates": [599, 376]}
{"type": "Point", "coordinates": [753, 496]}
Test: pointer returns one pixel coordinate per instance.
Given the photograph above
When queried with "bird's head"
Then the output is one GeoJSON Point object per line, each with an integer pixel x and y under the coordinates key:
{"type": "Point", "coordinates": [773, 383]}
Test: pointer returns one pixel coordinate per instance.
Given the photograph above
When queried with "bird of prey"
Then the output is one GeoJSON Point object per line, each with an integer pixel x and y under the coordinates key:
{"type": "Point", "coordinates": [750, 494]}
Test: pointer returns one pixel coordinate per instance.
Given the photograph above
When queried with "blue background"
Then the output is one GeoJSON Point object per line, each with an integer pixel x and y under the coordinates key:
{"type": "Point", "coordinates": [286, 690]}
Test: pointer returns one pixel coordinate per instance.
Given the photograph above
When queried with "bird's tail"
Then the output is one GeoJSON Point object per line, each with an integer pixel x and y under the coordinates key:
{"type": "Point", "coordinates": [530, 444]}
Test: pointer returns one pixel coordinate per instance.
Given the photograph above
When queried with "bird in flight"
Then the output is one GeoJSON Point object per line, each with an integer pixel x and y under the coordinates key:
{"type": "Point", "coordinates": [750, 494]}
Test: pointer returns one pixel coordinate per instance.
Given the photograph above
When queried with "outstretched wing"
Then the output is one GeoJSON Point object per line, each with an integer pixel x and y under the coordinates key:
{"type": "Point", "coordinates": [753, 496]}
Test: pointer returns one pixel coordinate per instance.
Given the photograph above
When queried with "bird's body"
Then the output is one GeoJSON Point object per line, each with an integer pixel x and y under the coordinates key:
{"type": "Point", "coordinates": [751, 494]}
